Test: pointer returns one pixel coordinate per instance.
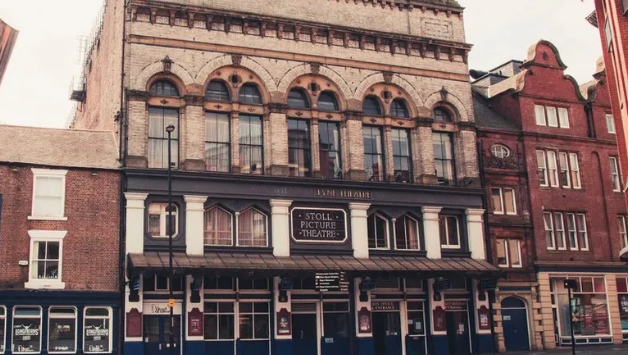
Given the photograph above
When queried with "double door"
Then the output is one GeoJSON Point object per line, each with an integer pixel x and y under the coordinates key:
{"type": "Point", "coordinates": [458, 332]}
{"type": "Point", "coordinates": [386, 330]}
{"type": "Point", "coordinates": [304, 332]}
{"type": "Point", "coordinates": [157, 335]}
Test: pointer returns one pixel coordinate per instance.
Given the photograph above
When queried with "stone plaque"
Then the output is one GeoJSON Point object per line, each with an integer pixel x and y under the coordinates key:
{"type": "Point", "coordinates": [318, 225]}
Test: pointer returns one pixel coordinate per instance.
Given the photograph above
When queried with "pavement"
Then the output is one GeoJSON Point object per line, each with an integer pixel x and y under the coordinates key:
{"type": "Point", "coordinates": [581, 350]}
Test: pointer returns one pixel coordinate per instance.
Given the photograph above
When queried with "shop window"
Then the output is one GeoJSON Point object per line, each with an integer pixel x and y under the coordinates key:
{"type": "Point", "coordinates": [441, 115]}
{"type": "Point", "coordinates": [406, 233]}
{"type": "Point", "coordinates": [160, 283]}
{"type": "Point", "coordinates": [450, 232]}
{"type": "Point", "coordinates": [159, 119]}
{"type": "Point", "coordinates": [159, 222]}
{"type": "Point", "coordinates": [250, 94]}
{"type": "Point", "coordinates": [373, 153]}
{"type": "Point", "coordinates": [62, 330]}
{"type": "Point", "coordinates": [217, 149]}
{"type": "Point", "coordinates": [401, 144]}
{"type": "Point", "coordinates": [371, 106]}
{"type": "Point", "coordinates": [217, 227]}
{"type": "Point", "coordinates": [327, 102]}
{"type": "Point", "coordinates": [622, 298]}
{"type": "Point", "coordinates": [97, 327]}
{"type": "Point", "coordinates": [329, 150]}
{"type": "Point", "coordinates": [622, 225]}
{"type": "Point", "coordinates": [588, 308]}
{"type": "Point", "coordinates": [217, 91]}
{"type": "Point", "coordinates": [49, 189]}
{"type": "Point", "coordinates": [253, 320]}
{"type": "Point", "coordinates": [252, 228]}
{"type": "Point", "coordinates": [551, 116]}
{"type": "Point", "coordinates": [218, 283]}
{"type": "Point", "coordinates": [250, 144]}
{"type": "Point", "coordinates": [399, 109]}
{"type": "Point", "coordinates": [614, 174]}
{"type": "Point", "coordinates": [610, 123]}
{"type": "Point", "coordinates": [164, 88]}
{"type": "Point", "coordinates": [307, 283]}
{"type": "Point", "coordinates": [413, 284]}
{"type": "Point", "coordinates": [415, 318]}
{"type": "Point", "coordinates": [299, 148]}
{"type": "Point", "coordinates": [336, 320]}
{"type": "Point", "coordinates": [297, 99]}
{"type": "Point", "coordinates": [378, 232]}
{"type": "Point", "coordinates": [500, 151]}
{"type": "Point", "coordinates": [3, 328]}
{"type": "Point", "coordinates": [443, 158]}
{"type": "Point", "coordinates": [27, 330]}
{"type": "Point", "coordinates": [261, 284]}
{"type": "Point", "coordinates": [46, 259]}
{"type": "Point", "coordinates": [218, 321]}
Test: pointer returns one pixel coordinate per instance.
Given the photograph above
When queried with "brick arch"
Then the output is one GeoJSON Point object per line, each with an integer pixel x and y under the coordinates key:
{"type": "Point", "coordinates": [452, 100]}
{"type": "Point", "coordinates": [324, 71]}
{"type": "Point", "coordinates": [151, 70]}
{"type": "Point", "coordinates": [376, 78]}
{"type": "Point", "coordinates": [246, 62]}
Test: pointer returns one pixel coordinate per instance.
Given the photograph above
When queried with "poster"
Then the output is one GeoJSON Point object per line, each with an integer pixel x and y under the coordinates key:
{"type": "Point", "coordinates": [284, 322]}
{"type": "Point", "coordinates": [365, 321]}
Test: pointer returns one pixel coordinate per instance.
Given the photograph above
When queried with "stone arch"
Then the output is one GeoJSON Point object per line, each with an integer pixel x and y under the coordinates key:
{"type": "Point", "coordinates": [376, 78]}
{"type": "Point", "coordinates": [157, 68]}
{"type": "Point", "coordinates": [324, 71]}
{"type": "Point", "coordinates": [454, 101]}
{"type": "Point", "coordinates": [525, 303]}
{"type": "Point", "coordinates": [229, 60]}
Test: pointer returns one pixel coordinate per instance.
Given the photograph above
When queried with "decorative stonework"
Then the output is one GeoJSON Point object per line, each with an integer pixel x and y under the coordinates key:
{"type": "Point", "coordinates": [501, 163]}
{"type": "Point", "coordinates": [137, 95]}
{"type": "Point", "coordinates": [275, 107]}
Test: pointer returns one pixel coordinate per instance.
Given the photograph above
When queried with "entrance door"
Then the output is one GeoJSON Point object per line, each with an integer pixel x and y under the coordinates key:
{"type": "Point", "coordinates": [386, 332]}
{"type": "Point", "coordinates": [157, 335]}
{"type": "Point", "coordinates": [457, 333]}
{"type": "Point", "coordinates": [304, 332]}
{"type": "Point", "coordinates": [515, 330]}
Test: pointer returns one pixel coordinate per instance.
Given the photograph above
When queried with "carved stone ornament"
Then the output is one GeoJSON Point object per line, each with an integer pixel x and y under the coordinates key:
{"type": "Point", "coordinates": [354, 115]}
{"type": "Point", "coordinates": [194, 100]}
{"type": "Point", "coordinates": [501, 163]}
{"type": "Point", "coordinates": [315, 68]}
{"type": "Point", "coordinates": [443, 93]}
{"type": "Point", "coordinates": [388, 76]}
{"type": "Point", "coordinates": [275, 107]}
{"type": "Point", "coordinates": [424, 122]}
{"type": "Point", "coordinates": [236, 59]}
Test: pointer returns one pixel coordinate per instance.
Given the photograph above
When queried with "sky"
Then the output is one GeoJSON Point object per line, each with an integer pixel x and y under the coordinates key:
{"type": "Point", "coordinates": [35, 88]}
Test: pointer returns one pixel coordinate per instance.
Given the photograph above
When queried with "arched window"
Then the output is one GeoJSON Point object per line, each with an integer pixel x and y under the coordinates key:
{"type": "Point", "coordinates": [252, 228]}
{"type": "Point", "coordinates": [371, 106]}
{"type": "Point", "coordinates": [406, 233]}
{"type": "Point", "coordinates": [250, 94]}
{"type": "Point", "coordinates": [512, 302]}
{"type": "Point", "coordinates": [378, 233]}
{"type": "Point", "coordinates": [217, 91]}
{"type": "Point", "coordinates": [164, 88]}
{"type": "Point", "coordinates": [297, 99]}
{"type": "Point", "coordinates": [441, 114]}
{"type": "Point", "coordinates": [399, 109]}
{"type": "Point", "coordinates": [217, 227]}
{"type": "Point", "coordinates": [500, 151]}
{"type": "Point", "coordinates": [327, 102]}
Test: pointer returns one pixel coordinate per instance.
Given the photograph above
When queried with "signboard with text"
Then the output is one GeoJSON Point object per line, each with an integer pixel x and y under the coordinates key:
{"type": "Point", "coordinates": [331, 281]}
{"type": "Point", "coordinates": [318, 225]}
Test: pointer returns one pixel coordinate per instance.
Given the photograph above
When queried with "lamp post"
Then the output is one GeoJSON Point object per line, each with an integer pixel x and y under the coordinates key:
{"type": "Point", "coordinates": [169, 130]}
{"type": "Point", "coordinates": [570, 284]}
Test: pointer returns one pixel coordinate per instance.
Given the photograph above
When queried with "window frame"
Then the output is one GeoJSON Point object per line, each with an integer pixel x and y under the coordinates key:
{"type": "Point", "coordinates": [401, 111]}
{"type": "Point", "coordinates": [163, 83]}
{"type": "Point", "coordinates": [387, 233]}
{"type": "Point", "coordinates": [253, 315]}
{"type": "Point", "coordinates": [550, 234]}
{"type": "Point", "coordinates": [37, 236]}
{"type": "Point", "coordinates": [266, 228]}
{"type": "Point", "coordinates": [622, 226]}
{"type": "Point", "coordinates": [503, 202]}
{"type": "Point", "coordinates": [495, 148]}
{"type": "Point", "coordinates": [520, 253]}
{"type": "Point", "coordinates": [381, 156]}
{"type": "Point", "coordinates": [306, 151]}
{"type": "Point", "coordinates": [220, 97]}
{"type": "Point", "coordinates": [417, 228]}
{"type": "Point", "coordinates": [218, 314]}
{"type": "Point", "coordinates": [241, 121]}
{"type": "Point", "coordinates": [610, 123]}
{"type": "Point", "coordinates": [563, 158]}
{"type": "Point", "coordinates": [442, 180]}
{"type": "Point", "coordinates": [304, 97]}
{"type": "Point", "coordinates": [41, 321]}
{"type": "Point", "coordinates": [572, 232]}
{"type": "Point", "coordinates": [163, 219]}
{"type": "Point", "coordinates": [574, 168]}
{"type": "Point", "coordinates": [552, 156]}
{"type": "Point", "coordinates": [544, 118]}
{"type": "Point", "coordinates": [76, 325]}
{"type": "Point", "coordinates": [560, 229]}
{"type": "Point", "coordinates": [614, 174]}
{"type": "Point", "coordinates": [209, 116]}
{"type": "Point", "coordinates": [409, 158]}
{"type": "Point", "coordinates": [232, 226]}
{"type": "Point", "coordinates": [164, 138]}
{"type": "Point", "coordinates": [110, 332]}
{"type": "Point", "coordinates": [334, 102]}
{"type": "Point", "coordinates": [542, 169]}
{"type": "Point", "coordinates": [3, 317]}
{"type": "Point", "coordinates": [446, 232]}
{"type": "Point", "coordinates": [250, 99]}
{"type": "Point", "coordinates": [379, 108]}
{"type": "Point", "coordinates": [49, 173]}
{"type": "Point", "coordinates": [338, 151]}
{"type": "Point", "coordinates": [582, 217]}
{"type": "Point", "coordinates": [504, 244]}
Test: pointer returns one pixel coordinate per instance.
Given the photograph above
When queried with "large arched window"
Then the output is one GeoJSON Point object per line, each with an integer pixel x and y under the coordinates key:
{"type": "Point", "coordinates": [164, 88]}
{"type": "Point", "coordinates": [157, 151]}
{"type": "Point", "coordinates": [378, 233]}
{"type": "Point", "coordinates": [252, 228]}
{"type": "Point", "coordinates": [297, 99]}
{"type": "Point", "coordinates": [399, 109]}
{"type": "Point", "coordinates": [327, 102]}
{"type": "Point", "coordinates": [250, 94]}
{"type": "Point", "coordinates": [441, 114]}
{"type": "Point", "coordinates": [407, 233]}
{"type": "Point", "coordinates": [372, 107]}
{"type": "Point", "coordinates": [217, 227]}
{"type": "Point", "coordinates": [217, 91]}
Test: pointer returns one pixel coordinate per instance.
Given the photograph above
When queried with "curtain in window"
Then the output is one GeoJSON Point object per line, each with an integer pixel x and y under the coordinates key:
{"type": "Point", "coordinates": [252, 228]}
{"type": "Point", "coordinates": [159, 119]}
{"type": "Point", "coordinates": [250, 144]}
{"type": "Point", "coordinates": [48, 196]}
{"type": "Point", "coordinates": [217, 142]}
{"type": "Point", "coordinates": [218, 227]}
{"type": "Point", "coordinates": [299, 148]}
{"type": "Point", "coordinates": [443, 153]}
{"type": "Point", "coordinates": [373, 151]}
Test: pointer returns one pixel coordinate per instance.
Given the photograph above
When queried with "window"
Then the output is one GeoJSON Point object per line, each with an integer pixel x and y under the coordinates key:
{"type": "Point", "coordinates": [509, 253]}
{"type": "Point", "coordinates": [250, 144]}
{"type": "Point", "coordinates": [27, 330]}
{"type": "Point", "coordinates": [49, 190]}
{"type": "Point", "coordinates": [45, 267]}
{"type": "Point", "coordinates": [502, 252]}
{"type": "Point", "coordinates": [327, 102]}
{"type": "Point", "coordinates": [97, 327]}
{"type": "Point", "coordinates": [449, 232]}
{"type": "Point", "coordinates": [406, 233]}
{"type": "Point", "coordinates": [250, 94]}
{"type": "Point", "coordinates": [329, 150]}
{"type": "Point", "coordinates": [610, 123]}
{"type": "Point", "coordinates": [582, 232]}
{"type": "Point", "coordinates": [399, 109]}
{"type": "Point", "coordinates": [608, 33]}
{"type": "Point", "coordinates": [297, 99]}
{"type": "Point", "coordinates": [62, 330]}
{"type": "Point", "coordinates": [299, 148]}
{"type": "Point", "coordinates": [3, 328]}
{"type": "Point", "coordinates": [218, 321]}
{"type": "Point", "coordinates": [159, 119]}
{"type": "Point", "coordinates": [217, 227]}
{"type": "Point", "coordinates": [164, 88]}
{"type": "Point", "coordinates": [503, 200]}
{"type": "Point", "coordinates": [624, 6]}
{"type": "Point", "coordinates": [217, 91]}
{"type": "Point", "coordinates": [540, 115]}
{"type": "Point", "coordinates": [565, 179]}
{"type": "Point", "coordinates": [551, 244]}
{"type": "Point", "coordinates": [552, 166]}
{"type": "Point", "coordinates": [159, 221]}
{"type": "Point", "coordinates": [253, 320]}
{"type": "Point", "coordinates": [551, 116]}
{"type": "Point", "coordinates": [575, 171]}
{"type": "Point", "coordinates": [401, 144]}
{"type": "Point", "coordinates": [336, 320]}
{"type": "Point", "coordinates": [218, 283]}
{"type": "Point", "coordinates": [252, 228]}
{"type": "Point", "coordinates": [441, 115]}
{"type": "Point", "coordinates": [217, 154]}
{"type": "Point", "coordinates": [558, 169]}
{"type": "Point", "coordinates": [576, 231]}
{"type": "Point", "coordinates": [161, 283]}
{"type": "Point", "coordinates": [622, 224]}
{"type": "Point", "coordinates": [372, 107]}
{"type": "Point", "coordinates": [443, 153]}
{"type": "Point", "coordinates": [373, 150]}
{"type": "Point", "coordinates": [378, 232]}
{"type": "Point", "coordinates": [572, 231]}
{"type": "Point", "coordinates": [563, 117]}
{"type": "Point", "coordinates": [500, 151]}
{"type": "Point", "coordinates": [415, 318]}
{"type": "Point", "coordinates": [614, 174]}
{"type": "Point", "coordinates": [559, 229]}
{"type": "Point", "coordinates": [261, 284]}
{"type": "Point", "coordinates": [541, 158]}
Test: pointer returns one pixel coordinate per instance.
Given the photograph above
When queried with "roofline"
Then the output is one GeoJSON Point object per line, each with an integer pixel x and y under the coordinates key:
{"type": "Point", "coordinates": [69, 167]}
{"type": "Point", "coordinates": [509, 61]}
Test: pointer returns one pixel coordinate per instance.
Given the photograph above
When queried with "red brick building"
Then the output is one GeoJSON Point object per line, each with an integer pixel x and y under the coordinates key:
{"type": "Point", "coordinates": [556, 203]}
{"type": "Point", "coordinates": [59, 241]}
{"type": "Point", "coordinates": [8, 36]}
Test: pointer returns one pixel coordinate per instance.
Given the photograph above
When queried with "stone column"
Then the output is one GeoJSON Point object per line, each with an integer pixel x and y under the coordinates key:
{"type": "Point", "coordinates": [279, 140]}
{"type": "Point", "coordinates": [613, 308]}
{"type": "Point", "coordinates": [431, 224]}
{"type": "Point", "coordinates": [423, 157]}
{"type": "Point", "coordinates": [359, 226]}
{"type": "Point", "coordinates": [474, 224]}
{"type": "Point", "coordinates": [485, 341]}
{"type": "Point", "coordinates": [354, 146]}
{"type": "Point", "coordinates": [134, 238]}
{"type": "Point", "coordinates": [192, 135]}
{"type": "Point", "coordinates": [194, 224]}
{"type": "Point", "coordinates": [466, 155]}
{"type": "Point", "coordinates": [234, 143]}
{"type": "Point", "coordinates": [314, 128]}
{"type": "Point", "coordinates": [281, 240]}
{"type": "Point", "coordinates": [544, 294]}
{"type": "Point", "coordinates": [388, 154]}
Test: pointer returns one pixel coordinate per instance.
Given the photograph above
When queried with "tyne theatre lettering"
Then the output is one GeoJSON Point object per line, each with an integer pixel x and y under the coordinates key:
{"type": "Point", "coordinates": [322, 225]}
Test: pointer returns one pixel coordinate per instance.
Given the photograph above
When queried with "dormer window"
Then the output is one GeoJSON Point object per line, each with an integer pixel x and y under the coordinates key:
{"type": "Point", "coordinates": [164, 88]}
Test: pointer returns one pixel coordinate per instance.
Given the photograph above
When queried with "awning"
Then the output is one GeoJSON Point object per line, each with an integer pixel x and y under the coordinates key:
{"type": "Point", "coordinates": [265, 263]}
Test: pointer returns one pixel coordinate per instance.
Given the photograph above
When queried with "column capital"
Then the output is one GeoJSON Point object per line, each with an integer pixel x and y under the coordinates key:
{"type": "Point", "coordinates": [474, 213]}
{"type": "Point", "coordinates": [431, 209]}
{"type": "Point", "coordinates": [280, 203]}
{"type": "Point", "coordinates": [359, 206]}
{"type": "Point", "coordinates": [195, 199]}
{"type": "Point", "coordinates": [134, 196]}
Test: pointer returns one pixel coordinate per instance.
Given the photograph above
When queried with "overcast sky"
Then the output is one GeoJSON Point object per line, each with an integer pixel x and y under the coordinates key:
{"type": "Point", "coordinates": [35, 87]}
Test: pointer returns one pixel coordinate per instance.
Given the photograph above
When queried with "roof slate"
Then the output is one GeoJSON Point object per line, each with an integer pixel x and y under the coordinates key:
{"type": "Point", "coordinates": [485, 117]}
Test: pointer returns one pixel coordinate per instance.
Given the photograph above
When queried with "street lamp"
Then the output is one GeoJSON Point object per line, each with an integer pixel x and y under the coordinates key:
{"type": "Point", "coordinates": [570, 284]}
{"type": "Point", "coordinates": [171, 302]}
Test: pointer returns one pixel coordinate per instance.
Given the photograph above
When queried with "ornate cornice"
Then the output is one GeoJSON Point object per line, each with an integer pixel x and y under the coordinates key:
{"type": "Point", "coordinates": [194, 100]}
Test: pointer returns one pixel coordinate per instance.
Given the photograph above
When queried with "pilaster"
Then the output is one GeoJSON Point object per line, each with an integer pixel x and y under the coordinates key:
{"type": "Point", "coordinates": [359, 226]}
{"type": "Point", "coordinates": [194, 224]}
{"type": "Point", "coordinates": [280, 226]}
{"type": "Point", "coordinates": [431, 225]}
{"type": "Point", "coordinates": [474, 223]}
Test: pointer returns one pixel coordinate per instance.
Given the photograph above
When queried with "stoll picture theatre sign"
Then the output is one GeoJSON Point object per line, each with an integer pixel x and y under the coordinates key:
{"type": "Point", "coordinates": [318, 225]}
